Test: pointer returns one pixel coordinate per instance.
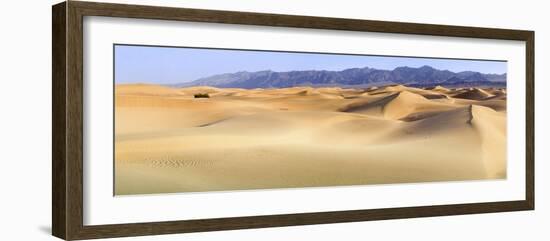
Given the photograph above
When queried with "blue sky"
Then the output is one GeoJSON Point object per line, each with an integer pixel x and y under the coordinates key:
{"type": "Point", "coordinates": [166, 65]}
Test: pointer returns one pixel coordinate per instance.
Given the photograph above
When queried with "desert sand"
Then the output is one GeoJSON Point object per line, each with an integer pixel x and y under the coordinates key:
{"type": "Point", "coordinates": [166, 140]}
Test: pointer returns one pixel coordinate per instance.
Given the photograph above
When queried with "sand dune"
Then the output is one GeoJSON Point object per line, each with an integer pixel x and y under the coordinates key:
{"type": "Point", "coordinates": [396, 106]}
{"type": "Point", "coordinates": [439, 88]}
{"type": "Point", "coordinates": [474, 94]}
{"type": "Point", "coordinates": [168, 141]}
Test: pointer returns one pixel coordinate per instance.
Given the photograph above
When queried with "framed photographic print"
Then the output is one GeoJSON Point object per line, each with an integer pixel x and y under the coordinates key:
{"type": "Point", "coordinates": [171, 120]}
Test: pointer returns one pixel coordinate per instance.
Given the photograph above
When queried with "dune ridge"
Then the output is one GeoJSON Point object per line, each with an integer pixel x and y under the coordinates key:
{"type": "Point", "coordinates": [474, 94]}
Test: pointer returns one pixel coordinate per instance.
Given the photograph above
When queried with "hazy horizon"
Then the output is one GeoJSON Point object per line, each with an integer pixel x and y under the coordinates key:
{"type": "Point", "coordinates": [172, 65]}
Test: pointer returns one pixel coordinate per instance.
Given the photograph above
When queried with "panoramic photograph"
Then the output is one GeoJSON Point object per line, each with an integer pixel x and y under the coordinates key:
{"type": "Point", "coordinates": [204, 119]}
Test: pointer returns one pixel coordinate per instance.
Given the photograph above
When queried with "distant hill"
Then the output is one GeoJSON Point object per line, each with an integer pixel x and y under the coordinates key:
{"type": "Point", "coordinates": [424, 76]}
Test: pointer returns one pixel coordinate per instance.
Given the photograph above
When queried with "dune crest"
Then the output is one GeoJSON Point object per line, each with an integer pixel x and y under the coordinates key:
{"type": "Point", "coordinates": [439, 88]}
{"type": "Point", "coordinates": [474, 94]}
{"type": "Point", "coordinates": [394, 106]}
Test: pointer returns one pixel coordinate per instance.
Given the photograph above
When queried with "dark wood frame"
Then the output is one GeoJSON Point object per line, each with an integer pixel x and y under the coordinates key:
{"type": "Point", "coordinates": [67, 123]}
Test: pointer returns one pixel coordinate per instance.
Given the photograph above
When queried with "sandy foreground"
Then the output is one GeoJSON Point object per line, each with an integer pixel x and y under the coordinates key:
{"type": "Point", "coordinates": [168, 141]}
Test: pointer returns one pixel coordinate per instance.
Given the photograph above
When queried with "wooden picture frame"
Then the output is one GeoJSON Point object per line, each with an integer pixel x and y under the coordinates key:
{"type": "Point", "coordinates": [67, 152]}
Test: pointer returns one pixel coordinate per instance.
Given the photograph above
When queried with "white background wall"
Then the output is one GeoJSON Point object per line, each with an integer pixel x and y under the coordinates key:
{"type": "Point", "coordinates": [25, 120]}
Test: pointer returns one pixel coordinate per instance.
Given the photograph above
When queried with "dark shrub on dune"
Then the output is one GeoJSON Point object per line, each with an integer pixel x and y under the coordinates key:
{"type": "Point", "coordinates": [202, 95]}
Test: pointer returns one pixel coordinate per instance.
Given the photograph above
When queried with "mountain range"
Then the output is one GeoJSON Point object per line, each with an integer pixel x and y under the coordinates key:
{"type": "Point", "coordinates": [424, 76]}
